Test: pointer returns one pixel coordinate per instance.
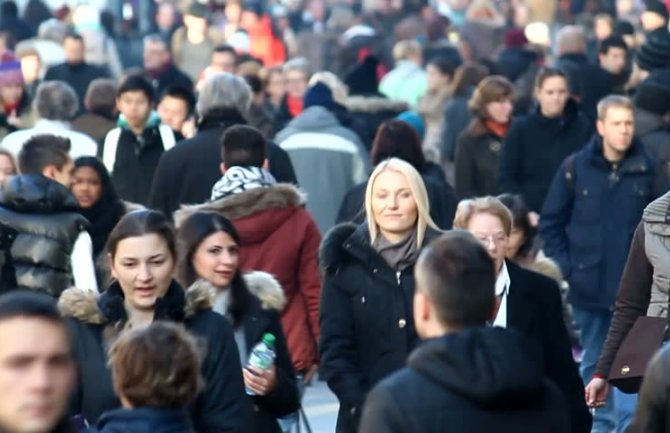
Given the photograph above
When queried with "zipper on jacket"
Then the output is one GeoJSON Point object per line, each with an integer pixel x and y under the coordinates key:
{"type": "Point", "coordinates": [397, 275]}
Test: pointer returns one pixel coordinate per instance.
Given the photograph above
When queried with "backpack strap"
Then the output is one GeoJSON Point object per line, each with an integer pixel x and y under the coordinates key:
{"type": "Point", "coordinates": [570, 171]}
{"type": "Point", "coordinates": [110, 146]}
{"type": "Point", "coordinates": [167, 137]}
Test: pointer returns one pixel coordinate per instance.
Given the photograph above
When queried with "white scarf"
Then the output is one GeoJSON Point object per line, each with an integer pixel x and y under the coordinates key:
{"type": "Point", "coordinates": [239, 179]}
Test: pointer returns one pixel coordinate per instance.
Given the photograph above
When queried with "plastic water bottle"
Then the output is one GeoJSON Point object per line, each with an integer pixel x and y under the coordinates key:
{"type": "Point", "coordinates": [262, 355]}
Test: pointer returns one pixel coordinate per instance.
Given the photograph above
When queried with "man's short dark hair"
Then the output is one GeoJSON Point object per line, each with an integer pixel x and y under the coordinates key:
{"type": "Point", "coordinates": [41, 151]}
{"type": "Point", "coordinates": [225, 48]}
{"type": "Point", "coordinates": [243, 146]}
{"type": "Point", "coordinates": [614, 41]}
{"type": "Point", "coordinates": [181, 93]}
{"type": "Point", "coordinates": [100, 97]}
{"type": "Point", "coordinates": [137, 83]}
{"type": "Point", "coordinates": [458, 276]}
{"type": "Point", "coordinates": [255, 83]}
{"type": "Point", "coordinates": [24, 303]}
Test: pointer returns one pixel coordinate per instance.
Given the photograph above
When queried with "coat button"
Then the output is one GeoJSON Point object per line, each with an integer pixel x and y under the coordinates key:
{"type": "Point", "coordinates": [375, 270]}
{"type": "Point", "coordinates": [352, 411]}
{"type": "Point", "coordinates": [362, 299]}
{"type": "Point", "coordinates": [402, 323]}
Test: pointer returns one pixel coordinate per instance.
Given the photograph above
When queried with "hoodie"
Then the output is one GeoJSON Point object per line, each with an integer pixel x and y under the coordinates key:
{"type": "Point", "coordinates": [477, 380]}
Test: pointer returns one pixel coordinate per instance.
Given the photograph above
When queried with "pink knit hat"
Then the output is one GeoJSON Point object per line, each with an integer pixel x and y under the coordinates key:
{"type": "Point", "coordinates": [10, 69]}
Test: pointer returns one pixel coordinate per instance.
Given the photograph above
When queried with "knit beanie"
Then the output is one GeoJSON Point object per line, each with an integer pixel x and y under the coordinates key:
{"type": "Point", "coordinates": [415, 121]}
{"type": "Point", "coordinates": [362, 78]}
{"type": "Point", "coordinates": [652, 97]}
{"type": "Point", "coordinates": [515, 38]}
{"type": "Point", "coordinates": [10, 70]}
{"type": "Point", "coordinates": [319, 94]}
{"type": "Point", "coordinates": [655, 52]}
{"type": "Point", "coordinates": [657, 7]}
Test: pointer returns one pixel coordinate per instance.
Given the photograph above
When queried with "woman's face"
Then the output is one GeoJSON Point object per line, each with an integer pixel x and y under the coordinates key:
{"type": "Point", "coordinates": [393, 206]}
{"type": "Point", "coordinates": [500, 111]}
{"type": "Point", "coordinates": [436, 79]}
{"type": "Point", "coordinates": [217, 259]}
{"type": "Point", "coordinates": [514, 243]}
{"type": "Point", "coordinates": [489, 230]}
{"type": "Point", "coordinates": [276, 86]}
{"type": "Point", "coordinates": [143, 266]}
{"type": "Point", "coordinates": [11, 94]}
{"type": "Point", "coordinates": [553, 95]}
{"type": "Point", "coordinates": [7, 169]}
{"type": "Point", "coordinates": [87, 186]}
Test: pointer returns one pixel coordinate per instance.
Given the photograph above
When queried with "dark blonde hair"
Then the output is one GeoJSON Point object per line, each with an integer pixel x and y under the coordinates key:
{"type": "Point", "coordinates": [470, 207]}
{"type": "Point", "coordinates": [491, 89]}
{"type": "Point", "coordinates": [158, 366]}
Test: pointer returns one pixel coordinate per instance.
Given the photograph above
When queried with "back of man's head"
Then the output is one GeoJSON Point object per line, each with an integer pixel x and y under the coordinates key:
{"type": "Point", "coordinates": [243, 146]}
{"type": "Point", "coordinates": [56, 100]}
{"type": "Point", "coordinates": [41, 151]}
{"type": "Point", "coordinates": [23, 303]}
{"type": "Point", "coordinates": [571, 40]}
{"type": "Point", "coordinates": [101, 97]}
{"type": "Point", "coordinates": [457, 276]}
{"type": "Point", "coordinates": [9, 9]}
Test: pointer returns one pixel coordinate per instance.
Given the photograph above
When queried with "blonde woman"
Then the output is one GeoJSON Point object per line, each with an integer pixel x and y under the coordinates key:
{"type": "Point", "coordinates": [367, 328]}
{"type": "Point", "coordinates": [527, 302]}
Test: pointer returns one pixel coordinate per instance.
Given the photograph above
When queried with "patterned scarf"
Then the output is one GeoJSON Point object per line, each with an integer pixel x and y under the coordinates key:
{"type": "Point", "coordinates": [239, 179]}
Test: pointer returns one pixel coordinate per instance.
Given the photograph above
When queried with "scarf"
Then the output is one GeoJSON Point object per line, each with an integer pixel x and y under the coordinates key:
{"type": "Point", "coordinates": [499, 129]}
{"type": "Point", "coordinates": [399, 256]}
{"type": "Point", "coordinates": [239, 179]}
{"type": "Point", "coordinates": [294, 105]}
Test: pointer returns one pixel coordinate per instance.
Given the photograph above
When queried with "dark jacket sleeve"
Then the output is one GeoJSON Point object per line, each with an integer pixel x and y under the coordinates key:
{"type": "Point", "coordinates": [284, 399]}
{"type": "Point", "coordinates": [160, 196]}
{"type": "Point", "coordinates": [280, 165]}
{"type": "Point", "coordinates": [555, 219]}
{"type": "Point", "coordinates": [337, 347]}
{"type": "Point", "coordinates": [560, 366]}
{"type": "Point", "coordinates": [651, 414]}
{"type": "Point", "coordinates": [382, 414]}
{"type": "Point", "coordinates": [510, 160]}
{"type": "Point", "coordinates": [222, 406]}
{"type": "Point", "coordinates": [632, 300]}
{"type": "Point", "coordinates": [465, 172]}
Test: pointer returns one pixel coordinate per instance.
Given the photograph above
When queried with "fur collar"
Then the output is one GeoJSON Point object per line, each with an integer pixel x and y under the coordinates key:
{"type": "Point", "coordinates": [247, 203]}
{"type": "Point", "coordinates": [107, 307]}
{"type": "Point", "coordinates": [331, 252]}
{"type": "Point", "coordinates": [262, 285]}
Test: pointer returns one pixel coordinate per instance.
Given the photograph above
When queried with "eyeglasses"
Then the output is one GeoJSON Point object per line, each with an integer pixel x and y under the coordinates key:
{"type": "Point", "coordinates": [496, 238]}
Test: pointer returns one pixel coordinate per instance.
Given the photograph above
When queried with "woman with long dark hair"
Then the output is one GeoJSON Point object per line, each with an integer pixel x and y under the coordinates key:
{"type": "Point", "coordinates": [209, 256]}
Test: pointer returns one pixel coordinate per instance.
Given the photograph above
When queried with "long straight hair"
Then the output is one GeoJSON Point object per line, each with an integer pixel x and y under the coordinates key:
{"type": "Point", "coordinates": [419, 193]}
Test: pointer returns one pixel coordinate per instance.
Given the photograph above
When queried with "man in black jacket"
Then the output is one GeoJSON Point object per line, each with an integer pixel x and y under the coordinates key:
{"type": "Point", "coordinates": [187, 173]}
{"type": "Point", "coordinates": [159, 66]}
{"type": "Point", "coordinates": [466, 377]}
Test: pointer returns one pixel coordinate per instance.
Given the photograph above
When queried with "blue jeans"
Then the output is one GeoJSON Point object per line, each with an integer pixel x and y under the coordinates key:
{"type": "Point", "coordinates": [625, 409]}
{"type": "Point", "coordinates": [594, 326]}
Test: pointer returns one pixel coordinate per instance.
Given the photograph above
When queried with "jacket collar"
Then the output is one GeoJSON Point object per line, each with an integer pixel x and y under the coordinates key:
{"type": "Point", "coordinates": [34, 193]}
{"type": "Point", "coordinates": [221, 117]}
{"type": "Point", "coordinates": [635, 160]}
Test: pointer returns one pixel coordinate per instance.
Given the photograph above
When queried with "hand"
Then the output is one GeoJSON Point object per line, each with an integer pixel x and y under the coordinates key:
{"type": "Point", "coordinates": [596, 393]}
{"type": "Point", "coordinates": [262, 382]}
{"type": "Point", "coordinates": [309, 374]}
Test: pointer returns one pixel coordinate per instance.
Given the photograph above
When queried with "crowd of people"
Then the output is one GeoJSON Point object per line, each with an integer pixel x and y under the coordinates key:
{"type": "Point", "coordinates": [453, 212]}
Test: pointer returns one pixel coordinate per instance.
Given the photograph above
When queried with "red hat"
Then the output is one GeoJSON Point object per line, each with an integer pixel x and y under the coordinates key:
{"type": "Point", "coordinates": [515, 38]}
{"type": "Point", "coordinates": [10, 69]}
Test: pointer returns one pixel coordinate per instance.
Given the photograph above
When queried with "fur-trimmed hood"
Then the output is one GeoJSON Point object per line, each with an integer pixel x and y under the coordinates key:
{"type": "Point", "coordinates": [247, 203]}
{"type": "Point", "coordinates": [374, 104]}
{"type": "Point", "coordinates": [331, 252]}
{"type": "Point", "coordinates": [107, 307]}
{"type": "Point", "coordinates": [262, 285]}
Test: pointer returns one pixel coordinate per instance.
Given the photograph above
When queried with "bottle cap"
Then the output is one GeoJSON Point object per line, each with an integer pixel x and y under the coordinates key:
{"type": "Point", "coordinates": [269, 339]}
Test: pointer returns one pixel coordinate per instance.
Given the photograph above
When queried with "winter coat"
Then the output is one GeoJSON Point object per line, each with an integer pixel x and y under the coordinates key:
{"type": "Point", "coordinates": [534, 308]}
{"type": "Point", "coordinates": [80, 144]}
{"type": "Point", "coordinates": [589, 83]}
{"type": "Point", "coordinates": [441, 198]}
{"type": "Point", "coordinates": [18, 29]}
{"type": "Point", "coordinates": [457, 117]}
{"type": "Point", "coordinates": [476, 380]}
{"type": "Point", "coordinates": [372, 111]}
{"type": "Point", "coordinates": [367, 328]}
{"type": "Point", "coordinates": [652, 131]}
{"type": "Point", "coordinates": [79, 76]}
{"type": "Point", "coordinates": [406, 82]}
{"type": "Point", "coordinates": [477, 160]}
{"type": "Point", "coordinates": [39, 218]}
{"type": "Point", "coordinates": [535, 147]}
{"type": "Point", "coordinates": [278, 236]}
{"type": "Point", "coordinates": [328, 159]}
{"type": "Point", "coordinates": [588, 220]}
{"type": "Point", "coordinates": [144, 420]}
{"type": "Point", "coordinates": [520, 66]}
{"type": "Point", "coordinates": [483, 36]}
{"type": "Point", "coordinates": [431, 106]}
{"type": "Point", "coordinates": [101, 51]}
{"type": "Point", "coordinates": [170, 76]}
{"type": "Point", "coordinates": [653, 402]}
{"type": "Point", "coordinates": [94, 125]}
{"type": "Point", "coordinates": [133, 164]}
{"type": "Point", "coordinates": [95, 320]}
{"type": "Point", "coordinates": [263, 306]}
{"type": "Point", "coordinates": [194, 59]}
{"type": "Point", "coordinates": [187, 173]}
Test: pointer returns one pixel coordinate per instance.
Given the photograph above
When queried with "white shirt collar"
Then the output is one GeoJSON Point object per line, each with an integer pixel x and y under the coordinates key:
{"type": "Point", "coordinates": [502, 290]}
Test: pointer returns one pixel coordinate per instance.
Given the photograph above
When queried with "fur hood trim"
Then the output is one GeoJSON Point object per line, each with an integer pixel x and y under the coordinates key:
{"type": "Point", "coordinates": [83, 304]}
{"type": "Point", "coordinates": [247, 203]}
{"type": "Point", "coordinates": [262, 285]}
{"type": "Point", "coordinates": [374, 104]}
{"type": "Point", "coordinates": [331, 252]}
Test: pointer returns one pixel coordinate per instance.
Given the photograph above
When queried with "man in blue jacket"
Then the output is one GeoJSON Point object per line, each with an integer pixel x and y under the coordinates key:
{"type": "Point", "coordinates": [594, 204]}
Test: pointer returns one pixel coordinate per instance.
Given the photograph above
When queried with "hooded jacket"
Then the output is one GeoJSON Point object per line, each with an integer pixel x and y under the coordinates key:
{"type": "Point", "coordinates": [42, 223]}
{"type": "Point", "coordinates": [279, 237]}
{"type": "Point", "coordinates": [95, 320]}
{"type": "Point", "coordinates": [477, 380]}
{"type": "Point", "coordinates": [372, 110]}
{"type": "Point", "coordinates": [328, 158]}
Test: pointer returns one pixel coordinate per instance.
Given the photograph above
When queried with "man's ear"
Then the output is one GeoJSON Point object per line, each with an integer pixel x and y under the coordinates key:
{"type": "Point", "coordinates": [266, 165]}
{"type": "Point", "coordinates": [50, 171]}
{"type": "Point", "coordinates": [223, 169]}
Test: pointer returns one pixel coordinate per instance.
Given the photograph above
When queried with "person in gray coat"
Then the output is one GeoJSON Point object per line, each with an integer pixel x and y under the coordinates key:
{"type": "Point", "coordinates": [328, 158]}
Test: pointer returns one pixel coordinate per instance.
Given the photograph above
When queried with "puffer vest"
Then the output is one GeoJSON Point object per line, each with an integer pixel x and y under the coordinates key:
{"type": "Point", "coordinates": [44, 226]}
{"type": "Point", "coordinates": [656, 219]}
